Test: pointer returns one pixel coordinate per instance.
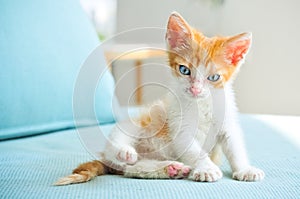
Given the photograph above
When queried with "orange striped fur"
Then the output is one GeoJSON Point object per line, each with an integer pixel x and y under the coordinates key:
{"type": "Point", "coordinates": [155, 121]}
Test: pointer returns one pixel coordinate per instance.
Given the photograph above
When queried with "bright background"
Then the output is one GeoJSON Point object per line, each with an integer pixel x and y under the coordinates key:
{"type": "Point", "coordinates": [268, 82]}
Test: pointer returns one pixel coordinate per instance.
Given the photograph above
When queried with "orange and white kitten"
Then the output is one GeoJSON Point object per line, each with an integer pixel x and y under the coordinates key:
{"type": "Point", "coordinates": [181, 135]}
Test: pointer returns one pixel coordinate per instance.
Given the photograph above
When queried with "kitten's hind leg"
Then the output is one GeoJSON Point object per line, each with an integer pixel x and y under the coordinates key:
{"type": "Point", "coordinates": [154, 169]}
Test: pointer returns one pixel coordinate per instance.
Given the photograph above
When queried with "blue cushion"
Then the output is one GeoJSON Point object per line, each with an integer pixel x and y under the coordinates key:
{"type": "Point", "coordinates": [42, 46]}
{"type": "Point", "coordinates": [29, 166]}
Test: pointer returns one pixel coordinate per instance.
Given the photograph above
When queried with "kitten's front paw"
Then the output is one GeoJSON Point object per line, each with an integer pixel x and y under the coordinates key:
{"type": "Point", "coordinates": [249, 174]}
{"type": "Point", "coordinates": [127, 154]}
{"type": "Point", "coordinates": [206, 173]}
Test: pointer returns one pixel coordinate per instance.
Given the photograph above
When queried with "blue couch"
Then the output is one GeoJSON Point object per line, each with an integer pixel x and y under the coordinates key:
{"type": "Point", "coordinates": [47, 98]}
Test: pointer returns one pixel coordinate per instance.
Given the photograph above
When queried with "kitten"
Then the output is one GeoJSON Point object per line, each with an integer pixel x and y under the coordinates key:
{"type": "Point", "coordinates": [182, 135]}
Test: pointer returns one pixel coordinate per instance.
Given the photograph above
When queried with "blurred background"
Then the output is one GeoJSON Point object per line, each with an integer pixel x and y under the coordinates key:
{"type": "Point", "coordinates": [268, 82]}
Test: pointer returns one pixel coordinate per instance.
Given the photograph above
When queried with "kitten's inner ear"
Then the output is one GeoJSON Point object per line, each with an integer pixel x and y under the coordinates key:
{"type": "Point", "coordinates": [178, 32]}
{"type": "Point", "coordinates": [236, 48]}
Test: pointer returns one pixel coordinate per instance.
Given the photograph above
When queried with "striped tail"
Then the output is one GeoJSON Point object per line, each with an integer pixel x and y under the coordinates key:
{"type": "Point", "coordinates": [84, 172]}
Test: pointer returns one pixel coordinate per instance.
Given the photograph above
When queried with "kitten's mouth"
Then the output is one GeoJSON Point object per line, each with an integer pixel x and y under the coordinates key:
{"type": "Point", "coordinates": [193, 95]}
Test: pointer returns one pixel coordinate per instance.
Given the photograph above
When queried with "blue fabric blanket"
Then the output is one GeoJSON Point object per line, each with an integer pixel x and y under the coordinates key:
{"type": "Point", "coordinates": [29, 167]}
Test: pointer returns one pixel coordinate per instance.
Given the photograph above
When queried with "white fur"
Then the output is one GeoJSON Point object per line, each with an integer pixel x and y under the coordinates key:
{"type": "Point", "coordinates": [190, 122]}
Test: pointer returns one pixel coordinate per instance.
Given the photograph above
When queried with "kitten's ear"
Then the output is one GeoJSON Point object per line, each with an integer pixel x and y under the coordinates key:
{"type": "Point", "coordinates": [235, 48]}
{"type": "Point", "coordinates": [178, 32]}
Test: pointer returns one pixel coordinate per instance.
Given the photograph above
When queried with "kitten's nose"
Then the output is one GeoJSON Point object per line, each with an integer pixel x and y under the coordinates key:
{"type": "Point", "coordinates": [195, 91]}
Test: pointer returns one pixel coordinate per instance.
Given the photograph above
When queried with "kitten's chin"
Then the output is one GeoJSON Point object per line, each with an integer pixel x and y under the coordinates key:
{"type": "Point", "coordinates": [190, 96]}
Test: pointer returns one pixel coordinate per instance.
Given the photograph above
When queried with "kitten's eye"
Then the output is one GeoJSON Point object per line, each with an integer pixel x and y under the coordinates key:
{"type": "Point", "coordinates": [213, 78]}
{"type": "Point", "coordinates": [184, 70]}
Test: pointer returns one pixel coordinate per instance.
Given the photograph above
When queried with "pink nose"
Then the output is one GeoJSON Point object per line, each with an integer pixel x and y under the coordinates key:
{"type": "Point", "coordinates": [195, 91]}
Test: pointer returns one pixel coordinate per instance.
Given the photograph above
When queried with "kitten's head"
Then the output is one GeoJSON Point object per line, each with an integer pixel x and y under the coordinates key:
{"type": "Point", "coordinates": [200, 63]}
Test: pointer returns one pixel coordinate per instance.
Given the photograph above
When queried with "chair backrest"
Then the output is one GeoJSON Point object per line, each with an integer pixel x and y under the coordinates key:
{"type": "Point", "coordinates": [43, 44]}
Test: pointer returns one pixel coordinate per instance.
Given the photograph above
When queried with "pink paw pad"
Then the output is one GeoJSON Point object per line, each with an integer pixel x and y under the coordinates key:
{"type": "Point", "coordinates": [186, 171]}
{"type": "Point", "coordinates": [178, 170]}
{"type": "Point", "coordinates": [172, 171]}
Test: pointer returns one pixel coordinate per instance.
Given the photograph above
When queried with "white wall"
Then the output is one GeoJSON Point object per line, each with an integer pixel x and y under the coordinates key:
{"type": "Point", "coordinates": [268, 82]}
{"type": "Point", "coordinates": [155, 13]}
